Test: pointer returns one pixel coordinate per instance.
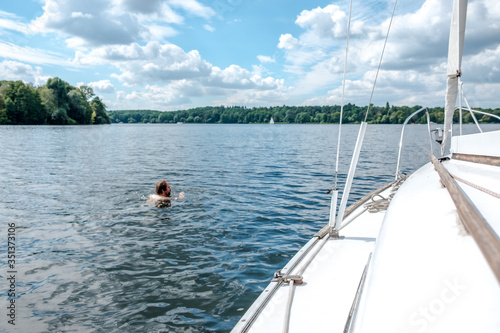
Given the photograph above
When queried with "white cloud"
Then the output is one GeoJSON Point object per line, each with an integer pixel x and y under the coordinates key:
{"type": "Point", "coordinates": [141, 6]}
{"type": "Point", "coordinates": [208, 27]}
{"type": "Point", "coordinates": [193, 7]}
{"type": "Point", "coordinates": [266, 59]}
{"type": "Point", "coordinates": [235, 77]}
{"type": "Point", "coordinates": [155, 63]}
{"type": "Point", "coordinates": [88, 23]}
{"type": "Point", "coordinates": [13, 70]}
{"type": "Point", "coordinates": [172, 96]}
{"type": "Point", "coordinates": [102, 86]}
{"type": "Point", "coordinates": [80, 14]}
{"type": "Point", "coordinates": [128, 37]}
{"type": "Point", "coordinates": [96, 23]}
{"type": "Point", "coordinates": [325, 22]}
{"type": "Point", "coordinates": [12, 22]}
{"type": "Point", "coordinates": [164, 75]}
{"type": "Point", "coordinates": [255, 98]}
{"type": "Point", "coordinates": [413, 69]}
{"type": "Point", "coordinates": [288, 42]}
{"type": "Point", "coordinates": [158, 63]}
{"type": "Point", "coordinates": [158, 11]}
{"type": "Point", "coordinates": [31, 55]}
{"type": "Point", "coordinates": [158, 32]}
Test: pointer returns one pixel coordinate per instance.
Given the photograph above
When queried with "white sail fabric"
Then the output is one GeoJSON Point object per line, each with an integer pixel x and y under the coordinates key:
{"type": "Point", "coordinates": [455, 50]}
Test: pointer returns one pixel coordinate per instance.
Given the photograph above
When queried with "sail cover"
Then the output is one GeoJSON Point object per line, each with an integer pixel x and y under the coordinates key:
{"type": "Point", "coordinates": [455, 50]}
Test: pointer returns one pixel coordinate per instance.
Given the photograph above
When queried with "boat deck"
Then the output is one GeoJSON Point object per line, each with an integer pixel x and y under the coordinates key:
{"type": "Point", "coordinates": [429, 273]}
{"type": "Point", "coordinates": [429, 270]}
{"type": "Point", "coordinates": [330, 281]}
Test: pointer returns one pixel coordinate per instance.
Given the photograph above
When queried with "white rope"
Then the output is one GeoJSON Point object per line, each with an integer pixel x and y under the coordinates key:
{"type": "Point", "coordinates": [477, 187]}
{"type": "Point", "coordinates": [380, 62]}
{"type": "Point", "coordinates": [379, 202]}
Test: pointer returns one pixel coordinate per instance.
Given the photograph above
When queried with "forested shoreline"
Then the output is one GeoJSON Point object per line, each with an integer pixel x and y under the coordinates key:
{"type": "Point", "coordinates": [59, 103]}
{"type": "Point", "coordinates": [290, 115]}
{"type": "Point", "coordinates": [55, 103]}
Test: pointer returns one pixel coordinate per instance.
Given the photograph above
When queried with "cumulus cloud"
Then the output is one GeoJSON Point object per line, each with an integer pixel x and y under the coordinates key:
{"type": "Point", "coordinates": [102, 86]}
{"type": "Point", "coordinates": [155, 62]}
{"type": "Point", "coordinates": [325, 22]}
{"type": "Point", "coordinates": [128, 37]}
{"type": "Point", "coordinates": [80, 15]}
{"type": "Point", "coordinates": [173, 94]}
{"type": "Point", "coordinates": [170, 75]}
{"type": "Point", "coordinates": [266, 59]}
{"type": "Point", "coordinates": [414, 61]}
{"type": "Point", "coordinates": [88, 23]}
{"type": "Point", "coordinates": [96, 23]}
{"type": "Point", "coordinates": [288, 42]}
{"type": "Point", "coordinates": [141, 6]}
{"type": "Point", "coordinates": [13, 70]}
{"type": "Point", "coordinates": [236, 77]}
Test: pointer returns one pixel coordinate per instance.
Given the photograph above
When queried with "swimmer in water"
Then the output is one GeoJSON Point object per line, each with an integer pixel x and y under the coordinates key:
{"type": "Point", "coordinates": [162, 197]}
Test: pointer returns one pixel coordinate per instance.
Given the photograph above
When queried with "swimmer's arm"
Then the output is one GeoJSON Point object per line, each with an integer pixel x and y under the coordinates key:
{"type": "Point", "coordinates": [156, 197]}
{"type": "Point", "coordinates": [181, 196]}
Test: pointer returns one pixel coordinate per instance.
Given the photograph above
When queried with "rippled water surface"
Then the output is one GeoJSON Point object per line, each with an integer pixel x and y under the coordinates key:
{"type": "Point", "coordinates": [93, 256]}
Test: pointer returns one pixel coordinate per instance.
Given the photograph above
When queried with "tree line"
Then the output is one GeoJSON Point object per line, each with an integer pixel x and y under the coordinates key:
{"type": "Point", "coordinates": [56, 103]}
{"type": "Point", "coordinates": [290, 115]}
{"type": "Point", "coordinates": [59, 103]}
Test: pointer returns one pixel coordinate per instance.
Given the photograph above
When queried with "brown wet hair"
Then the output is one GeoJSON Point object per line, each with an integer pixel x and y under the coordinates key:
{"type": "Point", "coordinates": [161, 187]}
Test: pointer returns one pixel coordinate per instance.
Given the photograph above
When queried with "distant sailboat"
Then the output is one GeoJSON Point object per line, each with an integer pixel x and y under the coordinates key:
{"type": "Point", "coordinates": [271, 122]}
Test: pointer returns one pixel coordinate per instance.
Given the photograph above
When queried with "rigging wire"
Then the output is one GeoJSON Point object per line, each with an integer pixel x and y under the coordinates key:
{"type": "Point", "coordinates": [380, 61]}
{"type": "Point", "coordinates": [343, 95]}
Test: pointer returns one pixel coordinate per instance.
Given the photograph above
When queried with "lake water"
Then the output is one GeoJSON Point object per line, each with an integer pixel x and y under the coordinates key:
{"type": "Point", "coordinates": [92, 256]}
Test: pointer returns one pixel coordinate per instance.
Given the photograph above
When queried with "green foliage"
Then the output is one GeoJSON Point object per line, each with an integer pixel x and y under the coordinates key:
{"type": "Point", "coordinates": [287, 115]}
{"type": "Point", "coordinates": [101, 117]}
{"type": "Point", "coordinates": [59, 117]}
{"type": "Point", "coordinates": [20, 104]}
{"type": "Point", "coordinates": [59, 103]}
{"type": "Point", "coordinates": [76, 107]}
{"type": "Point", "coordinates": [56, 103]}
{"type": "Point", "coordinates": [3, 112]}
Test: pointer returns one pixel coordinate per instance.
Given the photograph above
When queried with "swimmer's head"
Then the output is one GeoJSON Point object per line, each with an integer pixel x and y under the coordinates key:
{"type": "Point", "coordinates": [163, 189]}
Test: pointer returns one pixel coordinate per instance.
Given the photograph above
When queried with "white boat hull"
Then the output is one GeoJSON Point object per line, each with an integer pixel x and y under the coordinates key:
{"type": "Point", "coordinates": [427, 273]}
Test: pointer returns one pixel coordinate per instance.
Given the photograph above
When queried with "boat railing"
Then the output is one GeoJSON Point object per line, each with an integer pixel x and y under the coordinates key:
{"type": "Point", "coordinates": [398, 173]}
{"type": "Point", "coordinates": [472, 111]}
{"type": "Point", "coordinates": [439, 131]}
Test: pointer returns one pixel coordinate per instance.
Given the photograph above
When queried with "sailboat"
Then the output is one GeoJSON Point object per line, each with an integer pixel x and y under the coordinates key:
{"type": "Point", "coordinates": [271, 122]}
{"type": "Point", "coordinates": [421, 254]}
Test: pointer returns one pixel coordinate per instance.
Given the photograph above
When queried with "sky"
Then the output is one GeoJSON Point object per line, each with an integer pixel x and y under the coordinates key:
{"type": "Point", "coordinates": [180, 54]}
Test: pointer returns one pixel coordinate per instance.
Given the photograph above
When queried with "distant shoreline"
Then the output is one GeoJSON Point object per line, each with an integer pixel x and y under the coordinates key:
{"type": "Point", "coordinates": [290, 115]}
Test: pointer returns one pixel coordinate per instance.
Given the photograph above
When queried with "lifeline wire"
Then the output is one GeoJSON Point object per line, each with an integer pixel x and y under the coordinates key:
{"type": "Point", "coordinates": [380, 62]}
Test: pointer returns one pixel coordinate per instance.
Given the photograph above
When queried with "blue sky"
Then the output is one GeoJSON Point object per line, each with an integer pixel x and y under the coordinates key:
{"type": "Point", "coordinates": [179, 54]}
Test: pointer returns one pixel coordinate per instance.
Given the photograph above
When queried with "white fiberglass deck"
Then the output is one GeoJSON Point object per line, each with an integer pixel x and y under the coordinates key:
{"type": "Point", "coordinates": [323, 302]}
{"type": "Point", "coordinates": [428, 274]}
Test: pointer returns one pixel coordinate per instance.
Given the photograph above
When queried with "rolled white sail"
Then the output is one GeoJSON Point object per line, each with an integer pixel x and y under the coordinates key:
{"type": "Point", "coordinates": [455, 50]}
